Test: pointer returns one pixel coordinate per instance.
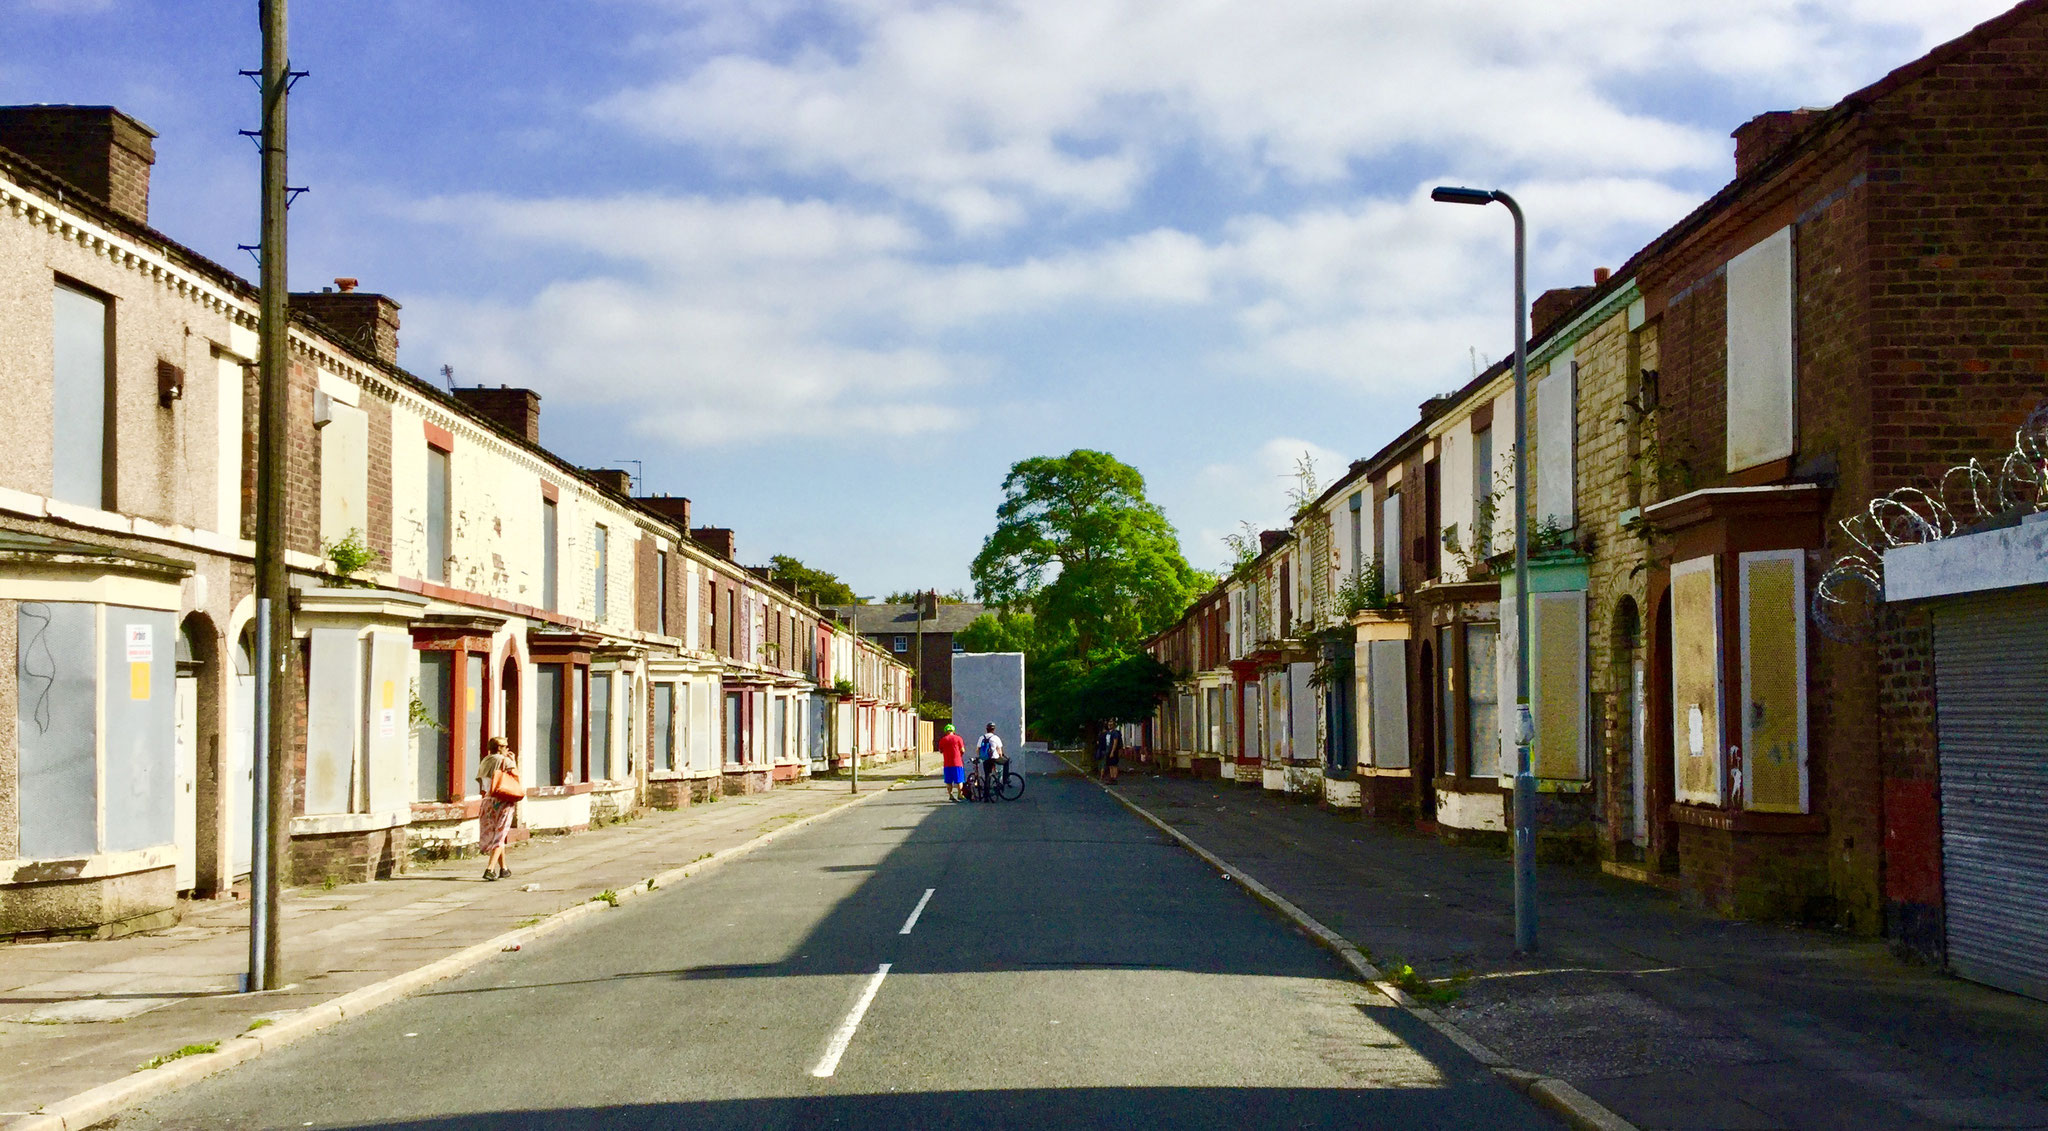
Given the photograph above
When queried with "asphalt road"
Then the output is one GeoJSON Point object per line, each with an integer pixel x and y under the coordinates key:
{"type": "Point", "coordinates": [1070, 967]}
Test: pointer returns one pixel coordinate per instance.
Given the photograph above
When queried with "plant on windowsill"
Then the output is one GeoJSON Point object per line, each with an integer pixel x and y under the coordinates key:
{"type": "Point", "coordinates": [843, 688]}
{"type": "Point", "coordinates": [349, 555]}
{"type": "Point", "coordinates": [1364, 590]}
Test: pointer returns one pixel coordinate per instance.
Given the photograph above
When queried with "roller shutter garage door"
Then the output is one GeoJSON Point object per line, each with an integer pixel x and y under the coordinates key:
{"type": "Point", "coordinates": [1991, 687]}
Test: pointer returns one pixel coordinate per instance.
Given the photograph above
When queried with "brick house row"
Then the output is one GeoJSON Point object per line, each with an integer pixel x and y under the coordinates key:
{"type": "Point", "coordinates": [452, 581]}
{"type": "Point", "coordinates": [1733, 695]}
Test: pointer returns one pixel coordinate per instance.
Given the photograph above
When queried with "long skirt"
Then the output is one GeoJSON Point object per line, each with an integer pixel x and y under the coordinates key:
{"type": "Point", "coordinates": [493, 825]}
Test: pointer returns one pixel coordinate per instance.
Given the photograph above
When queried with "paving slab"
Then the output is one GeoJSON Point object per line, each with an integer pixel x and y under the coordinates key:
{"type": "Point", "coordinates": [1670, 1016]}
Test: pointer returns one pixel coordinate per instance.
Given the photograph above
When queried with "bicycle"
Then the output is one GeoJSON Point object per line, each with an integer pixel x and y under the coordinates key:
{"type": "Point", "coordinates": [1007, 786]}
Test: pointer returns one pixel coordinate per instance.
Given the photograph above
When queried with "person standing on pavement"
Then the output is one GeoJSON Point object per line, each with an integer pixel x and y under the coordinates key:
{"type": "Point", "coordinates": [953, 756]}
{"type": "Point", "coordinates": [494, 815]}
{"type": "Point", "coordinates": [988, 759]}
{"type": "Point", "coordinates": [1109, 749]}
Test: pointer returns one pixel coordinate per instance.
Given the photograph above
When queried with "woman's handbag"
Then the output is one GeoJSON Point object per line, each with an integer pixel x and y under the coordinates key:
{"type": "Point", "coordinates": [505, 785]}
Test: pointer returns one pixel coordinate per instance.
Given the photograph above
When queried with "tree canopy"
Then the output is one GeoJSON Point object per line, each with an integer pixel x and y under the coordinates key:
{"type": "Point", "coordinates": [813, 584]}
{"type": "Point", "coordinates": [1081, 568]}
{"type": "Point", "coordinates": [1079, 545]}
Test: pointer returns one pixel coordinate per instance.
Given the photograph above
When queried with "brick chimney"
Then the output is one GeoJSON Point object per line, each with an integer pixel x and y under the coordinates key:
{"type": "Point", "coordinates": [1760, 137]}
{"type": "Point", "coordinates": [1270, 540]}
{"type": "Point", "coordinates": [674, 508]}
{"type": "Point", "coordinates": [616, 479]}
{"type": "Point", "coordinates": [1552, 305]}
{"type": "Point", "coordinates": [96, 149]}
{"type": "Point", "coordinates": [367, 321]}
{"type": "Point", "coordinates": [515, 410]}
{"type": "Point", "coordinates": [716, 539]}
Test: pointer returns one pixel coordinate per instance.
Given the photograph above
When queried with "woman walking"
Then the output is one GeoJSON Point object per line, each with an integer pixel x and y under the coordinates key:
{"type": "Point", "coordinates": [498, 781]}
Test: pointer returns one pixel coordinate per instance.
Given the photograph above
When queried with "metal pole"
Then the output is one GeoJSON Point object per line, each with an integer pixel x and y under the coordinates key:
{"type": "Point", "coordinates": [272, 584]}
{"type": "Point", "coordinates": [1525, 730]}
{"type": "Point", "coordinates": [259, 788]}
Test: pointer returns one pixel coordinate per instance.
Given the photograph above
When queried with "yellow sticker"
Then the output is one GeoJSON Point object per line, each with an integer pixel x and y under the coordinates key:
{"type": "Point", "coordinates": [389, 694]}
{"type": "Point", "coordinates": [138, 681]}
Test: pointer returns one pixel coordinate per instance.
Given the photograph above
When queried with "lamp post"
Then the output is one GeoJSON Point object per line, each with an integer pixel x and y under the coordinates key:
{"type": "Point", "coordinates": [1525, 730]}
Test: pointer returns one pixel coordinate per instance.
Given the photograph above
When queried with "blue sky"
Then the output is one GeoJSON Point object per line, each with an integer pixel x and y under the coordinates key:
{"type": "Point", "coordinates": [828, 268]}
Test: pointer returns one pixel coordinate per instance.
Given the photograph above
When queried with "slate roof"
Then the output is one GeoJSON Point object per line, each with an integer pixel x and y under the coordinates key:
{"type": "Point", "coordinates": [875, 620]}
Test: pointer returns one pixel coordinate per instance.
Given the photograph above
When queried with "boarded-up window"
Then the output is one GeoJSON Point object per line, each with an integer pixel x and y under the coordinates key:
{"type": "Point", "coordinates": [1482, 698]}
{"type": "Point", "coordinates": [437, 695]}
{"type": "Point", "coordinates": [1760, 358]}
{"type": "Point", "coordinates": [57, 719]}
{"type": "Point", "coordinates": [1387, 722]}
{"type": "Point", "coordinates": [1558, 688]}
{"type": "Point", "coordinates": [1696, 680]}
{"type": "Point", "coordinates": [1277, 730]}
{"type": "Point", "coordinates": [663, 734]}
{"type": "Point", "coordinates": [601, 570]}
{"type": "Point", "coordinates": [78, 398]}
{"type": "Point", "coordinates": [1302, 714]}
{"type": "Point", "coordinates": [601, 744]}
{"type": "Point", "coordinates": [1556, 443]}
{"type": "Point", "coordinates": [344, 472]}
{"type": "Point", "coordinates": [1390, 543]}
{"type": "Point", "coordinates": [1774, 681]}
{"type": "Point", "coordinates": [550, 554]}
{"type": "Point", "coordinates": [438, 486]}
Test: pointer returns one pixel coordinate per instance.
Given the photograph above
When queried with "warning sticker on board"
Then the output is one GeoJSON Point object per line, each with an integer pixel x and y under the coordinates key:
{"type": "Point", "coordinates": [141, 646]}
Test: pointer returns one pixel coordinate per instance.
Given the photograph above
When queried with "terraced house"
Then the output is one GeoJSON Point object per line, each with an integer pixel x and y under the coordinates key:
{"type": "Point", "coordinates": [453, 581]}
{"type": "Point", "coordinates": [1733, 695]}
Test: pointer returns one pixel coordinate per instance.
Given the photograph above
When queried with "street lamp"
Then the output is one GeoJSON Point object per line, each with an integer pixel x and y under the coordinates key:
{"type": "Point", "coordinates": [1525, 730]}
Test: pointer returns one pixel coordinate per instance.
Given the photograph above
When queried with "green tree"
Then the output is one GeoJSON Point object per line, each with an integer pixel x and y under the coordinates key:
{"type": "Point", "coordinates": [1079, 545]}
{"type": "Point", "coordinates": [999, 632]}
{"type": "Point", "coordinates": [814, 584]}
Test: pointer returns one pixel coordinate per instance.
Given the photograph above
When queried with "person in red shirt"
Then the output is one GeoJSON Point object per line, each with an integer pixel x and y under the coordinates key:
{"type": "Point", "coordinates": [953, 755]}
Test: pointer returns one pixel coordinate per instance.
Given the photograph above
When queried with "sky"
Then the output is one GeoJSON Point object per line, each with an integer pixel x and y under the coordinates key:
{"type": "Point", "coordinates": [829, 268]}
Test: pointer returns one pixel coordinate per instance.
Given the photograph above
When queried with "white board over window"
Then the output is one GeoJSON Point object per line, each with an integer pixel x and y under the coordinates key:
{"type": "Point", "coordinates": [1760, 358]}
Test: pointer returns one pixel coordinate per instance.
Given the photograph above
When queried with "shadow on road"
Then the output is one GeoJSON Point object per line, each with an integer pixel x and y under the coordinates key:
{"type": "Point", "coordinates": [1037, 1108]}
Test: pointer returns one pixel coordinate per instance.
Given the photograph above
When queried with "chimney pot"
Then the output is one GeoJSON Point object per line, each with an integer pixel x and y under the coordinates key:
{"type": "Point", "coordinates": [1601, 275]}
{"type": "Point", "coordinates": [346, 285]}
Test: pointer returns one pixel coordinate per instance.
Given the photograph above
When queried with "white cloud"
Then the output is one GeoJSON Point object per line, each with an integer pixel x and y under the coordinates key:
{"type": "Point", "coordinates": [1253, 487]}
{"type": "Point", "coordinates": [984, 112]}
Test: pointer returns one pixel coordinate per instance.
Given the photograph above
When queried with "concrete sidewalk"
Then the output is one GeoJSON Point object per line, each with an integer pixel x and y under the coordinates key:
{"type": "Point", "coordinates": [1669, 1017]}
{"type": "Point", "coordinates": [75, 1015]}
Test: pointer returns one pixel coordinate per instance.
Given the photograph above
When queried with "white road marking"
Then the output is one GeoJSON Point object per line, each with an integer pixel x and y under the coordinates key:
{"type": "Point", "coordinates": [836, 1048]}
{"type": "Point", "coordinates": [916, 911]}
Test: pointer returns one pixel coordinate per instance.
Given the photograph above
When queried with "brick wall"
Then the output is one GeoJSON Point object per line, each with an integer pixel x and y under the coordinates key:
{"type": "Point", "coordinates": [1609, 358]}
{"type": "Point", "coordinates": [1912, 784]}
{"type": "Point", "coordinates": [378, 413]}
{"type": "Point", "coordinates": [646, 586]}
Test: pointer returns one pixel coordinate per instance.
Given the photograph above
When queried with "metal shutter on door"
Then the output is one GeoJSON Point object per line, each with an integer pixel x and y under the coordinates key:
{"type": "Point", "coordinates": [1991, 699]}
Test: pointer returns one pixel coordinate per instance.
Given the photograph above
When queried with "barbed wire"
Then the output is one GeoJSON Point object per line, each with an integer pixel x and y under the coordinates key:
{"type": "Point", "coordinates": [1847, 594]}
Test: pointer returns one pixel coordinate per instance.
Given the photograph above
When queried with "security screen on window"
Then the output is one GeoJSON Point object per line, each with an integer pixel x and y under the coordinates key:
{"type": "Point", "coordinates": [78, 402]}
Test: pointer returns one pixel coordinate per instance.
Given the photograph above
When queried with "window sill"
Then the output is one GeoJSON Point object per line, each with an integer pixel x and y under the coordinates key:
{"type": "Point", "coordinates": [1743, 821]}
{"type": "Point", "coordinates": [558, 790]}
{"type": "Point", "coordinates": [446, 810]}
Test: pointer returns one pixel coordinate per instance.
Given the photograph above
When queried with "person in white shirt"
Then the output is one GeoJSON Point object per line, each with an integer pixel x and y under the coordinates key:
{"type": "Point", "coordinates": [989, 757]}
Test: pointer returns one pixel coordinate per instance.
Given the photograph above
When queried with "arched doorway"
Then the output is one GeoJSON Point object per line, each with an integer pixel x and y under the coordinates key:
{"type": "Point", "coordinates": [508, 713]}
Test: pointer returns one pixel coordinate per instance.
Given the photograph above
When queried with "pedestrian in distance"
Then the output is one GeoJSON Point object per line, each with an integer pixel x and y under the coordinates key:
{"type": "Point", "coordinates": [953, 756]}
{"type": "Point", "coordinates": [497, 777]}
{"type": "Point", "coordinates": [988, 757]}
{"type": "Point", "coordinates": [1109, 749]}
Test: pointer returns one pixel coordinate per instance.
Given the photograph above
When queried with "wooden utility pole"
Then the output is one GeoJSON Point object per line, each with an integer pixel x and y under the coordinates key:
{"type": "Point", "coordinates": [273, 596]}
